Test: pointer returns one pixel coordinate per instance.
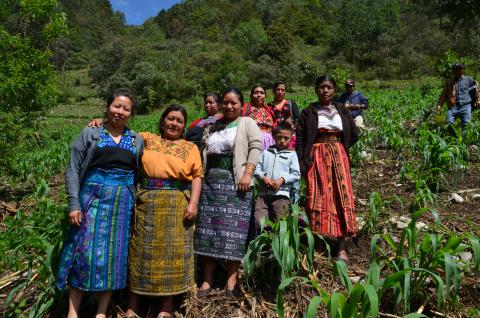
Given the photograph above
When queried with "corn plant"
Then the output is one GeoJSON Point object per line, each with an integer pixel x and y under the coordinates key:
{"type": "Point", "coordinates": [361, 299]}
{"type": "Point", "coordinates": [282, 245]}
{"type": "Point", "coordinates": [38, 238]}
{"type": "Point", "coordinates": [376, 205]}
{"type": "Point", "coordinates": [414, 262]}
{"type": "Point", "coordinates": [438, 157]}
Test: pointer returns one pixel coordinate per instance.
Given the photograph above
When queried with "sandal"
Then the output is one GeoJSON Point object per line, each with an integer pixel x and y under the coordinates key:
{"type": "Point", "coordinates": [123, 314]}
{"type": "Point", "coordinates": [204, 292]}
{"type": "Point", "coordinates": [233, 293]}
{"type": "Point", "coordinates": [344, 259]}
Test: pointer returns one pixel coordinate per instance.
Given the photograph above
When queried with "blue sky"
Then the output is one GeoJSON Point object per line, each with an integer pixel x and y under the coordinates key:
{"type": "Point", "coordinates": [137, 11]}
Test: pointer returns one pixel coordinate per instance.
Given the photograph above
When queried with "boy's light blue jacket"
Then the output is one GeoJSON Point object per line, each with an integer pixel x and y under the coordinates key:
{"type": "Point", "coordinates": [277, 164]}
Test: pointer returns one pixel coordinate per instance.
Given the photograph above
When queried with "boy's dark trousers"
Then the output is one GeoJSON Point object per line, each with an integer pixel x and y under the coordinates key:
{"type": "Point", "coordinates": [272, 206]}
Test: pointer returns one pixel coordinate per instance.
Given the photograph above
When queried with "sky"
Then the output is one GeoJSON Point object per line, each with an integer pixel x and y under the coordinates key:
{"type": "Point", "coordinates": [137, 11]}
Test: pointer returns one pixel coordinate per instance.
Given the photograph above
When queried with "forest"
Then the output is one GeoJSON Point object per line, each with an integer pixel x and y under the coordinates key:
{"type": "Point", "coordinates": [60, 59]}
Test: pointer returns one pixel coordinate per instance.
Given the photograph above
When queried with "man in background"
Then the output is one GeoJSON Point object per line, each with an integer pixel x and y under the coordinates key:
{"type": "Point", "coordinates": [458, 92]}
{"type": "Point", "coordinates": [355, 101]}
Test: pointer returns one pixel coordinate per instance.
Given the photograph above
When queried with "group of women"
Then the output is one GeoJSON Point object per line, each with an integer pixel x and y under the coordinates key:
{"type": "Point", "coordinates": [174, 213]}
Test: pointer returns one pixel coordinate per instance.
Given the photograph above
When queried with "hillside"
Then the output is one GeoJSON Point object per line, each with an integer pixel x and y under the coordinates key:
{"type": "Point", "coordinates": [203, 45]}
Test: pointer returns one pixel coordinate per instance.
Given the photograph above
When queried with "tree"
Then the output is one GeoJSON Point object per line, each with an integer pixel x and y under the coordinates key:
{"type": "Point", "coordinates": [27, 77]}
{"type": "Point", "coordinates": [250, 37]}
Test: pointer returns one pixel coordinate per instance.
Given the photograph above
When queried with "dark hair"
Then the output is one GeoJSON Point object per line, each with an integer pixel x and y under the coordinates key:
{"type": "Point", "coordinates": [122, 92]}
{"type": "Point", "coordinates": [278, 83]}
{"type": "Point", "coordinates": [236, 91]}
{"type": "Point", "coordinates": [325, 78]}
{"type": "Point", "coordinates": [168, 110]}
{"type": "Point", "coordinates": [216, 97]}
{"type": "Point", "coordinates": [220, 124]}
{"type": "Point", "coordinates": [283, 125]}
{"type": "Point", "coordinates": [255, 86]}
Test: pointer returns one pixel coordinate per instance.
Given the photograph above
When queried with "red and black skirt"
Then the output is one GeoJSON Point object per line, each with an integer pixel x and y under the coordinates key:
{"type": "Point", "coordinates": [330, 201]}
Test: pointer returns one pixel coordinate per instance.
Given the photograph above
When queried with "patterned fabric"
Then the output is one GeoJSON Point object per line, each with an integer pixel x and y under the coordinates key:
{"type": "Point", "coordinates": [109, 154]}
{"type": "Point", "coordinates": [167, 184]}
{"type": "Point", "coordinates": [202, 122]}
{"type": "Point", "coordinates": [325, 136]}
{"type": "Point", "coordinates": [222, 141]}
{"type": "Point", "coordinates": [280, 111]}
{"type": "Point", "coordinates": [223, 215]}
{"type": "Point", "coordinates": [330, 203]}
{"type": "Point", "coordinates": [161, 249]}
{"type": "Point", "coordinates": [127, 141]}
{"type": "Point", "coordinates": [94, 257]}
{"type": "Point", "coordinates": [262, 116]}
{"type": "Point", "coordinates": [166, 159]}
{"type": "Point", "coordinates": [220, 161]}
{"type": "Point", "coordinates": [267, 139]}
{"type": "Point", "coordinates": [168, 147]}
{"type": "Point", "coordinates": [197, 127]}
{"type": "Point", "coordinates": [329, 118]}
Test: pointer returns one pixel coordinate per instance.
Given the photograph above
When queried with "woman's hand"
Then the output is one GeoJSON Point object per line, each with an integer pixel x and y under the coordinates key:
{"type": "Point", "coordinates": [97, 122]}
{"type": "Point", "coordinates": [244, 183]}
{"type": "Point", "coordinates": [75, 217]}
{"type": "Point", "coordinates": [190, 212]}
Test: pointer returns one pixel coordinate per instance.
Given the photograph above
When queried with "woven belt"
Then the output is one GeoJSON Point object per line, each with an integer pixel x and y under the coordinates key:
{"type": "Point", "coordinates": [328, 138]}
{"type": "Point", "coordinates": [220, 161]}
{"type": "Point", "coordinates": [164, 184]}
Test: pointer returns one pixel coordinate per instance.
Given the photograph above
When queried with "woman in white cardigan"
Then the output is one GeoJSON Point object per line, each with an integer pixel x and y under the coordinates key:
{"type": "Point", "coordinates": [232, 151]}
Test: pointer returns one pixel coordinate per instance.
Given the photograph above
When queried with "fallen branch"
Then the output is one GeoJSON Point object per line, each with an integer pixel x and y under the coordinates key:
{"type": "Point", "coordinates": [420, 310]}
{"type": "Point", "coordinates": [436, 313]}
{"type": "Point", "coordinates": [468, 190]}
{"type": "Point", "coordinates": [388, 315]}
{"type": "Point", "coordinates": [8, 279]}
{"type": "Point", "coordinates": [22, 292]}
{"type": "Point", "coordinates": [8, 207]}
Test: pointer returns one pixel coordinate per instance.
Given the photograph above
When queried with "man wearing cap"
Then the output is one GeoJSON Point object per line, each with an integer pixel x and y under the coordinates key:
{"type": "Point", "coordinates": [457, 93]}
{"type": "Point", "coordinates": [355, 101]}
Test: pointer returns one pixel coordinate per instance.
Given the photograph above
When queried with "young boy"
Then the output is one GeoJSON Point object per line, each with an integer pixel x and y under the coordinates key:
{"type": "Point", "coordinates": [276, 172]}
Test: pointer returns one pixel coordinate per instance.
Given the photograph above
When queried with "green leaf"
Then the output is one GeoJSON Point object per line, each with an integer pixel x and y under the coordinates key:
{"type": "Point", "coordinates": [372, 299]}
{"type": "Point", "coordinates": [406, 284]}
{"type": "Point", "coordinates": [415, 315]}
{"type": "Point", "coordinates": [452, 243]}
{"type": "Point", "coordinates": [310, 247]}
{"type": "Point", "coordinates": [373, 275]}
{"type": "Point", "coordinates": [351, 307]}
{"type": "Point", "coordinates": [475, 244]}
{"type": "Point", "coordinates": [336, 305]}
{"type": "Point", "coordinates": [342, 273]}
{"type": "Point", "coordinates": [280, 290]}
{"type": "Point", "coordinates": [313, 307]}
{"type": "Point", "coordinates": [373, 244]}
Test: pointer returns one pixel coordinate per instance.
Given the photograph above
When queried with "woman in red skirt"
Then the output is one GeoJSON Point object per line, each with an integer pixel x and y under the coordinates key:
{"type": "Point", "coordinates": [324, 133]}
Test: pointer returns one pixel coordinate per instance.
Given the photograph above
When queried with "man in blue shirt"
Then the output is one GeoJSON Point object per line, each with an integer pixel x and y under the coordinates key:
{"type": "Point", "coordinates": [355, 101]}
{"type": "Point", "coordinates": [457, 92]}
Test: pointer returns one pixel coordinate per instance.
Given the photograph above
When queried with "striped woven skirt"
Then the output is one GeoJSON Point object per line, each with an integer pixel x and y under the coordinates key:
{"type": "Point", "coordinates": [94, 257]}
{"type": "Point", "coordinates": [161, 255]}
{"type": "Point", "coordinates": [224, 214]}
{"type": "Point", "coordinates": [330, 202]}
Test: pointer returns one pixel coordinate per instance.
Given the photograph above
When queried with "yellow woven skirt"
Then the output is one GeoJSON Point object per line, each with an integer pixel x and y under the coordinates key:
{"type": "Point", "coordinates": [161, 247]}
